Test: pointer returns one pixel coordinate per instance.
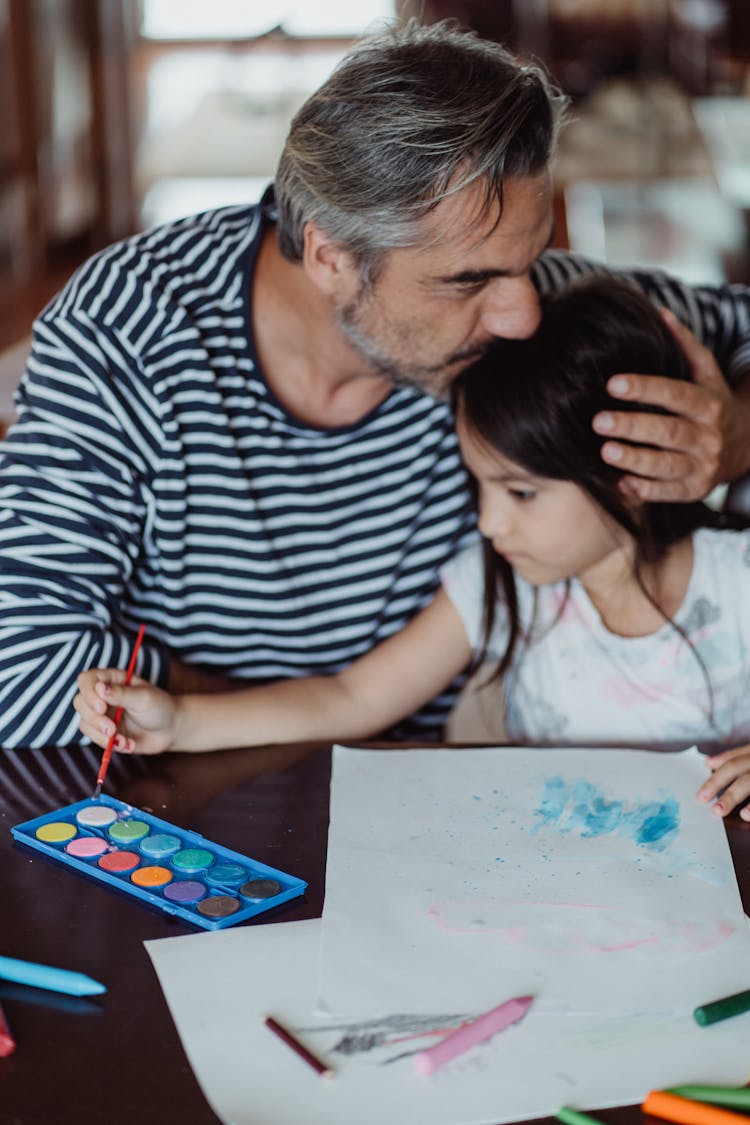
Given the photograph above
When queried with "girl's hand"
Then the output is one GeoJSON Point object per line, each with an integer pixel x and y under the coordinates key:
{"type": "Point", "coordinates": [729, 782]}
{"type": "Point", "coordinates": [149, 716]}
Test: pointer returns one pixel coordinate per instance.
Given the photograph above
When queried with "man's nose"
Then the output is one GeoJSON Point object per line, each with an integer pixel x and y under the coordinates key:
{"type": "Point", "coordinates": [511, 308]}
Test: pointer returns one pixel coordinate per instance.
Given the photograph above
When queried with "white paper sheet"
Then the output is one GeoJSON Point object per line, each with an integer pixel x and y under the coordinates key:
{"type": "Point", "coordinates": [590, 878]}
{"type": "Point", "coordinates": [220, 985]}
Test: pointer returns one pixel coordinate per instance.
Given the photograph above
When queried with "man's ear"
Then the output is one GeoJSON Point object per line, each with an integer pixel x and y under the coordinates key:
{"type": "Point", "coordinates": [328, 265]}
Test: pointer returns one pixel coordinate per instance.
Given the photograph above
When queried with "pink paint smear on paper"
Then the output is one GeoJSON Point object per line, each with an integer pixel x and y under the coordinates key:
{"type": "Point", "coordinates": [559, 926]}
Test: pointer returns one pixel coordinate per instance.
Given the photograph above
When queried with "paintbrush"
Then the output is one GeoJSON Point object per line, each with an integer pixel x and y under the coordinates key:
{"type": "Point", "coordinates": [118, 715]}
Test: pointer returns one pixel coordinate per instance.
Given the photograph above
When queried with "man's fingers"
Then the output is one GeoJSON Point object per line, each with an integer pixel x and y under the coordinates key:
{"type": "Point", "coordinates": [661, 491]}
{"type": "Point", "coordinates": [676, 457]}
{"type": "Point", "coordinates": [699, 440]}
{"type": "Point", "coordinates": [666, 431]}
{"type": "Point", "coordinates": [657, 464]}
{"type": "Point", "coordinates": [688, 400]}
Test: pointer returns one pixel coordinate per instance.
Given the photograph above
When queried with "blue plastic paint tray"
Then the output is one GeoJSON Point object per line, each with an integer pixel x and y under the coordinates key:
{"type": "Point", "coordinates": [177, 871]}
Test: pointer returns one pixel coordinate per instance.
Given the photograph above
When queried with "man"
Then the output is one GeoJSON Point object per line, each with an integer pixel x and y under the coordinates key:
{"type": "Point", "coordinates": [233, 427]}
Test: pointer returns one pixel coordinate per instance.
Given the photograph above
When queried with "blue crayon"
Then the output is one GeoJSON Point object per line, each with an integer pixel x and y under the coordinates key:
{"type": "Point", "coordinates": [45, 976]}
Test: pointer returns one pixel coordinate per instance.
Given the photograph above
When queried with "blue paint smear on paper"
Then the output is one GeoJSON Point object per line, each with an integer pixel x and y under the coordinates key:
{"type": "Point", "coordinates": [580, 807]}
{"type": "Point", "coordinates": [554, 800]}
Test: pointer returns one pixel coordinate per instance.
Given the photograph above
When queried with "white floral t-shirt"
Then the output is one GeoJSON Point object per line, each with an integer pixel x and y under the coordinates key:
{"type": "Point", "coordinates": [578, 684]}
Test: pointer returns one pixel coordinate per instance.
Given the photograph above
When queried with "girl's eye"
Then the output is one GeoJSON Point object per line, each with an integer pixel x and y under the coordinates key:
{"type": "Point", "coordinates": [522, 494]}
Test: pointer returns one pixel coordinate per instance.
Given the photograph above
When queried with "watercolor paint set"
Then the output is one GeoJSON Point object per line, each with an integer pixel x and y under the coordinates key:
{"type": "Point", "coordinates": [176, 870]}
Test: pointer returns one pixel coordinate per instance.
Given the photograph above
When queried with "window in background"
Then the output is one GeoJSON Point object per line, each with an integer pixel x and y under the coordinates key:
{"type": "Point", "coordinates": [243, 19]}
{"type": "Point", "coordinates": [217, 85]}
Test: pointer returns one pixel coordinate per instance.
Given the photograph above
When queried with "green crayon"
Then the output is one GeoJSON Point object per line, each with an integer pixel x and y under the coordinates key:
{"type": "Point", "coordinates": [570, 1116]}
{"type": "Point", "coordinates": [737, 1096]}
{"type": "Point", "coordinates": [722, 1009]}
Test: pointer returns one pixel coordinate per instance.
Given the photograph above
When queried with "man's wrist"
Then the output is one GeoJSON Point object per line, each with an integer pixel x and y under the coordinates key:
{"type": "Point", "coordinates": [739, 460]}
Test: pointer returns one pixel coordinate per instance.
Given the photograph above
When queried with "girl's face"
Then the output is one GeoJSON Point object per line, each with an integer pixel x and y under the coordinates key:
{"type": "Point", "coordinates": [548, 530]}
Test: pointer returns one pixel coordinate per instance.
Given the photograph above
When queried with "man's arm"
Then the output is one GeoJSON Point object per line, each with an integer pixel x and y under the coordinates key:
{"type": "Point", "coordinates": [74, 474]}
{"type": "Point", "coordinates": [707, 441]}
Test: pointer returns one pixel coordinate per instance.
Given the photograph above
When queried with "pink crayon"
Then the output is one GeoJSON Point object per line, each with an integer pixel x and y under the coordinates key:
{"type": "Point", "coordinates": [471, 1033]}
{"type": "Point", "coordinates": [7, 1042]}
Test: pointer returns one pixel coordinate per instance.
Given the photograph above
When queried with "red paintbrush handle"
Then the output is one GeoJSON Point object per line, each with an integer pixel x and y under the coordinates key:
{"type": "Point", "coordinates": [118, 713]}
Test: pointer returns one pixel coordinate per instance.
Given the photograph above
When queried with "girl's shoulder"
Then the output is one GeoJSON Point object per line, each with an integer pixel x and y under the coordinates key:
{"type": "Point", "coordinates": [463, 567]}
{"type": "Point", "coordinates": [721, 569]}
{"type": "Point", "coordinates": [722, 547]}
{"type": "Point", "coordinates": [463, 578]}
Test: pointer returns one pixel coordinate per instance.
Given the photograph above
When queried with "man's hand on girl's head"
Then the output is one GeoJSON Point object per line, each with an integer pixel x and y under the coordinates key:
{"type": "Point", "coordinates": [702, 441]}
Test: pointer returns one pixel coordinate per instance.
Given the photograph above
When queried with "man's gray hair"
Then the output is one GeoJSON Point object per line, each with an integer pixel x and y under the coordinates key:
{"type": "Point", "coordinates": [407, 118]}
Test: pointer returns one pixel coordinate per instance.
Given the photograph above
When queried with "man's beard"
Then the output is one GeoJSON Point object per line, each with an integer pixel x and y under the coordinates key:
{"type": "Point", "coordinates": [431, 379]}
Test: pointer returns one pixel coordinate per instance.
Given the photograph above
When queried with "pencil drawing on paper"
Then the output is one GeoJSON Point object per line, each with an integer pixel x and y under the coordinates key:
{"type": "Point", "coordinates": [386, 1039]}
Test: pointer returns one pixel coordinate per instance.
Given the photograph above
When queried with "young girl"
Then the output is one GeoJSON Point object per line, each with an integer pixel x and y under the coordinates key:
{"type": "Point", "coordinates": [614, 622]}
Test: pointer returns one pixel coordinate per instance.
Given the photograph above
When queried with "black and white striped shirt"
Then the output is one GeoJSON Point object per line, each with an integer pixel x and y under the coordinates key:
{"type": "Point", "coordinates": [152, 476]}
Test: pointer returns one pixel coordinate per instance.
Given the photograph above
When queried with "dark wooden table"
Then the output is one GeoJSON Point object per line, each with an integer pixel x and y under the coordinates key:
{"type": "Point", "coordinates": [116, 1059]}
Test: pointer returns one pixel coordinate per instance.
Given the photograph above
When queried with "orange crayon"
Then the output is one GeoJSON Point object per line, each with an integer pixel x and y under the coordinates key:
{"type": "Point", "coordinates": [684, 1111]}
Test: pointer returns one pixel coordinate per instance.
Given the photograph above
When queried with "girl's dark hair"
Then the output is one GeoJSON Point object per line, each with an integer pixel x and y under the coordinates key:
{"type": "Point", "coordinates": [533, 401]}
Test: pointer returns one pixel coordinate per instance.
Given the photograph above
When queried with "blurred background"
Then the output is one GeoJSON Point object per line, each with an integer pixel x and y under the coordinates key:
{"type": "Point", "coordinates": [118, 114]}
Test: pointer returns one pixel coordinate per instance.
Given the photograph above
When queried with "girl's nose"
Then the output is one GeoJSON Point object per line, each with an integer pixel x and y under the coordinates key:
{"type": "Point", "coordinates": [494, 519]}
